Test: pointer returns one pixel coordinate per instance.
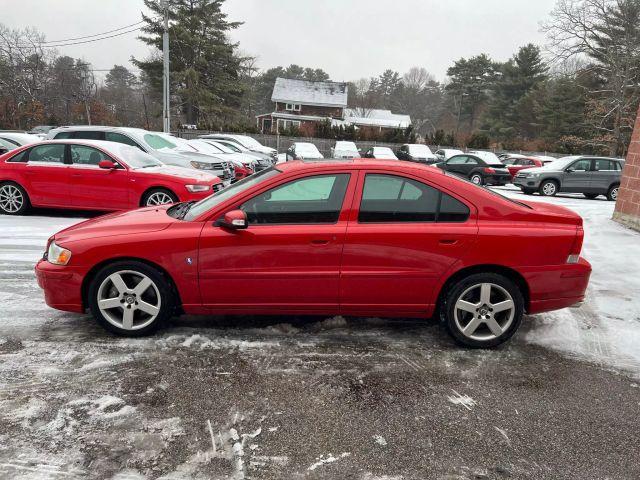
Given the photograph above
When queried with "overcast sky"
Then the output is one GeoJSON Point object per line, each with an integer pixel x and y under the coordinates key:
{"type": "Point", "coordinates": [350, 39]}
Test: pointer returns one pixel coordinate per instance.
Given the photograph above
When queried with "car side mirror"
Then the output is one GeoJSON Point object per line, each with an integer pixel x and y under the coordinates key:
{"type": "Point", "coordinates": [234, 220]}
{"type": "Point", "coordinates": [107, 164]}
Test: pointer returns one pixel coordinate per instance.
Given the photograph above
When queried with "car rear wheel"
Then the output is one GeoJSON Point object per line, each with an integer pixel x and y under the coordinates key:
{"type": "Point", "coordinates": [13, 199]}
{"type": "Point", "coordinates": [548, 188]}
{"type": "Point", "coordinates": [612, 194]}
{"type": "Point", "coordinates": [158, 196]}
{"type": "Point", "coordinates": [131, 298]}
{"type": "Point", "coordinates": [483, 310]}
{"type": "Point", "coordinates": [590, 196]}
{"type": "Point", "coordinates": [476, 179]}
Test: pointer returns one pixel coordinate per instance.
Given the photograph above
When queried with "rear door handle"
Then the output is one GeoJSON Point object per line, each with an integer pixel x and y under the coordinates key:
{"type": "Point", "coordinates": [448, 241]}
{"type": "Point", "coordinates": [319, 241]}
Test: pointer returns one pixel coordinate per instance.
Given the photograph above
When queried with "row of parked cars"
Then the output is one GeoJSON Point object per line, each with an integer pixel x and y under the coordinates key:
{"type": "Point", "coordinates": [113, 168]}
{"type": "Point", "coordinates": [591, 176]}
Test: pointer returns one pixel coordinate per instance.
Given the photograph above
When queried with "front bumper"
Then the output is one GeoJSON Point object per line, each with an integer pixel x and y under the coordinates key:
{"type": "Point", "coordinates": [526, 183]}
{"type": "Point", "coordinates": [62, 286]}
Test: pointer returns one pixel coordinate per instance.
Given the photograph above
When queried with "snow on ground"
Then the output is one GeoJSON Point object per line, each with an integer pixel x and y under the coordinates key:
{"type": "Point", "coordinates": [606, 329]}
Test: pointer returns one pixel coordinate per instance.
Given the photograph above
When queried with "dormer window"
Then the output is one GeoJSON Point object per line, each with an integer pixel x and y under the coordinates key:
{"type": "Point", "coordinates": [292, 107]}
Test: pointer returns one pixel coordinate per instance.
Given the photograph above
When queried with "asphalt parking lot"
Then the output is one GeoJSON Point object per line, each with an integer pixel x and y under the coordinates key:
{"type": "Point", "coordinates": [324, 398]}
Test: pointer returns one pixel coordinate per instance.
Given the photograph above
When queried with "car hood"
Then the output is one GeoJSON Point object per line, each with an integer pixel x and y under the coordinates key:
{"type": "Point", "coordinates": [178, 172]}
{"type": "Point", "coordinates": [142, 220]}
{"type": "Point", "coordinates": [173, 157]}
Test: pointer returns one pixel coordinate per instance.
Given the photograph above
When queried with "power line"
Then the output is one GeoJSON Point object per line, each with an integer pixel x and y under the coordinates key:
{"type": "Point", "coordinates": [91, 41]}
{"type": "Point", "coordinates": [93, 36]}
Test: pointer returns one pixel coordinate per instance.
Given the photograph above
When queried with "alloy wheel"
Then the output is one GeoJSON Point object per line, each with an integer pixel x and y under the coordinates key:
{"type": "Point", "coordinates": [549, 188]}
{"type": "Point", "coordinates": [476, 179]}
{"type": "Point", "coordinates": [129, 300]}
{"type": "Point", "coordinates": [159, 198]}
{"type": "Point", "coordinates": [614, 193]}
{"type": "Point", "coordinates": [484, 311]}
{"type": "Point", "coordinates": [11, 198]}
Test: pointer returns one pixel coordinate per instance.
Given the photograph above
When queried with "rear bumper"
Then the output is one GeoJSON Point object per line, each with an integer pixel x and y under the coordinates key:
{"type": "Point", "coordinates": [557, 286]}
{"type": "Point", "coordinates": [62, 286]}
{"type": "Point", "coordinates": [499, 179]}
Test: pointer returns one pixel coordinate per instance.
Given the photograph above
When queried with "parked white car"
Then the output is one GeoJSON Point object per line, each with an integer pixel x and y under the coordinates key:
{"type": "Point", "coordinates": [159, 145]}
{"type": "Point", "coordinates": [489, 157]}
{"type": "Point", "coordinates": [19, 139]}
{"type": "Point", "coordinates": [416, 152]}
{"type": "Point", "coordinates": [208, 148]}
{"type": "Point", "coordinates": [303, 151]}
{"type": "Point", "coordinates": [381, 153]}
{"type": "Point", "coordinates": [344, 149]}
{"type": "Point", "coordinates": [246, 141]}
{"type": "Point", "coordinates": [446, 153]}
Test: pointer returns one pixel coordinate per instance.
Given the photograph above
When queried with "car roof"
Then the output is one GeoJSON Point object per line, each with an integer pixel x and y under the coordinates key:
{"type": "Point", "coordinates": [359, 163]}
{"type": "Point", "coordinates": [101, 128]}
{"type": "Point", "coordinates": [113, 148]}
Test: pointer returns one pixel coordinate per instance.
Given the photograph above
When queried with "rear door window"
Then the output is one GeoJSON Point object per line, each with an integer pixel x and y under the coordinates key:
{"type": "Point", "coordinates": [393, 199]}
{"type": "Point", "coordinates": [51, 153]}
{"type": "Point", "coordinates": [88, 135]}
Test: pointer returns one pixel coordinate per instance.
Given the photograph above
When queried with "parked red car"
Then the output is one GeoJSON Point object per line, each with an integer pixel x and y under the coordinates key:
{"type": "Point", "coordinates": [94, 175]}
{"type": "Point", "coordinates": [355, 237]}
{"type": "Point", "coordinates": [514, 165]}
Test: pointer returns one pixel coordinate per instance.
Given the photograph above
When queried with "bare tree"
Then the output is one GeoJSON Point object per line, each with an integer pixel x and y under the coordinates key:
{"type": "Point", "coordinates": [606, 35]}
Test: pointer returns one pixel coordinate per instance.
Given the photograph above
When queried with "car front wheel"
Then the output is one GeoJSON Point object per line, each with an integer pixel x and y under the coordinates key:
{"type": "Point", "coordinates": [483, 310]}
{"type": "Point", "coordinates": [131, 298]}
{"type": "Point", "coordinates": [548, 188]}
{"type": "Point", "coordinates": [612, 194]}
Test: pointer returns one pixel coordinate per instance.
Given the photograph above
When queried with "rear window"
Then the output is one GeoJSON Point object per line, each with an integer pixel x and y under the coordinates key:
{"type": "Point", "coordinates": [492, 192]}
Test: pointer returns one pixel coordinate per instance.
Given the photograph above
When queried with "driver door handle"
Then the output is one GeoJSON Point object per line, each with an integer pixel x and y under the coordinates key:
{"type": "Point", "coordinates": [320, 241]}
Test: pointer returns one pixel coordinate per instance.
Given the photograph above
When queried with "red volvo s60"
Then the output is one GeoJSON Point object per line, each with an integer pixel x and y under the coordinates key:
{"type": "Point", "coordinates": [94, 175]}
{"type": "Point", "coordinates": [352, 237]}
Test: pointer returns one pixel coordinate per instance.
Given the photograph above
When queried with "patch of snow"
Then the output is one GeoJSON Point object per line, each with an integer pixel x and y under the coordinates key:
{"type": "Point", "coordinates": [322, 460]}
{"type": "Point", "coordinates": [380, 440]}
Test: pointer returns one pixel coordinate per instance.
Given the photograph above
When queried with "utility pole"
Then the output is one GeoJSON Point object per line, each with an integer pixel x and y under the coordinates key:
{"type": "Point", "coordinates": [166, 118]}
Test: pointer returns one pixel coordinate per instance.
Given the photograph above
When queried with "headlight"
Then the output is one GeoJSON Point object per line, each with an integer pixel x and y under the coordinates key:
{"type": "Point", "coordinates": [203, 165]}
{"type": "Point", "coordinates": [197, 188]}
{"type": "Point", "coordinates": [58, 255]}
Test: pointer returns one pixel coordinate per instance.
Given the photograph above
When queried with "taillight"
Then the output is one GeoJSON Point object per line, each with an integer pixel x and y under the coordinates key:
{"type": "Point", "coordinates": [576, 248]}
{"type": "Point", "coordinates": [489, 170]}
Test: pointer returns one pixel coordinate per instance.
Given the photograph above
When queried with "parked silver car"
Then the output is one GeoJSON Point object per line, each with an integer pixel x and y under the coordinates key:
{"type": "Point", "coordinates": [156, 144]}
{"type": "Point", "coordinates": [591, 176]}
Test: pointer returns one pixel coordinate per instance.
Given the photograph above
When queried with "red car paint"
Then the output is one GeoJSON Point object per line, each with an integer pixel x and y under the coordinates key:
{"type": "Point", "coordinates": [523, 163]}
{"type": "Point", "coordinates": [92, 188]}
{"type": "Point", "coordinates": [394, 269]}
{"type": "Point", "coordinates": [242, 171]}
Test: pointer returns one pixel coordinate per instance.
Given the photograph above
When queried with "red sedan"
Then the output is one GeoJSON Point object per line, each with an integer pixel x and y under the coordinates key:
{"type": "Point", "coordinates": [358, 237]}
{"type": "Point", "coordinates": [94, 175]}
{"type": "Point", "coordinates": [515, 164]}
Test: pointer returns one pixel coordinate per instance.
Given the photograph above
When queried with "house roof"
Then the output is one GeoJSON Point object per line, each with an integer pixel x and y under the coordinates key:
{"type": "Point", "coordinates": [324, 94]}
{"type": "Point", "coordinates": [376, 118]}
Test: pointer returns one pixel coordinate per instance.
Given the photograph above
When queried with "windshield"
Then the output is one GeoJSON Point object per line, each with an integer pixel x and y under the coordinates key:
{"type": "Point", "coordinates": [7, 145]}
{"type": "Point", "coordinates": [226, 193]}
{"type": "Point", "coordinates": [221, 146]}
{"type": "Point", "coordinates": [419, 150]}
{"type": "Point", "coordinates": [306, 148]}
{"type": "Point", "coordinates": [205, 147]}
{"type": "Point", "coordinates": [232, 146]}
{"type": "Point", "coordinates": [136, 158]}
{"type": "Point", "coordinates": [561, 163]}
{"type": "Point", "coordinates": [248, 141]}
{"type": "Point", "coordinates": [157, 142]}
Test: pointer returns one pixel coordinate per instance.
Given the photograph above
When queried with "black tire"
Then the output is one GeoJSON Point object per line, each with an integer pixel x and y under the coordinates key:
{"type": "Point", "coordinates": [546, 190]}
{"type": "Point", "coordinates": [149, 194]}
{"type": "Point", "coordinates": [166, 298]}
{"type": "Point", "coordinates": [476, 179]}
{"type": "Point", "coordinates": [590, 196]}
{"type": "Point", "coordinates": [612, 194]}
{"type": "Point", "coordinates": [471, 284]}
{"type": "Point", "coordinates": [18, 193]}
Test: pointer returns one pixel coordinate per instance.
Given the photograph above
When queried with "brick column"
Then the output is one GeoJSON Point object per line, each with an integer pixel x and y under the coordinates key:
{"type": "Point", "coordinates": [627, 209]}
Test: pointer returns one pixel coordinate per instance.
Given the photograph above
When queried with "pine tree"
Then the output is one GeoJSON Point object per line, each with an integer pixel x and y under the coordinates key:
{"type": "Point", "coordinates": [204, 65]}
